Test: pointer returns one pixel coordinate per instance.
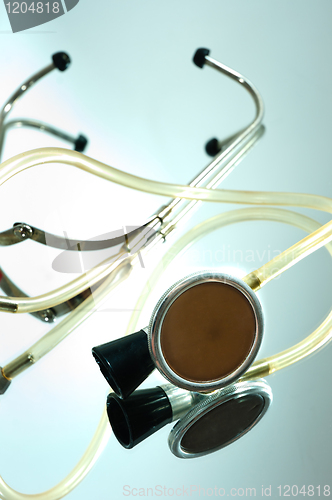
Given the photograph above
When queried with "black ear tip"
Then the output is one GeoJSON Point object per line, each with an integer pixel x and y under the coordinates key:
{"type": "Point", "coordinates": [119, 422]}
{"type": "Point", "coordinates": [125, 362]}
{"type": "Point", "coordinates": [61, 60]}
{"type": "Point", "coordinates": [199, 57]}
{"type": "Point", "coordinates": [80, 143]}
{"type": "Point", "coordinates": [212, 147]}
{"type": "Point", "coordinates": [106, 369]}
{"type": "Point", "coordinates": [139, 416]}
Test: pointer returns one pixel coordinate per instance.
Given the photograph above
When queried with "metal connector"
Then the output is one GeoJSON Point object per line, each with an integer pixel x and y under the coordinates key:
{"type": "Point", "coordinates": [8, 305]}
{"type": "Point", "coordinates": [18, 365]}
{"type": "Point", "coordinates": [253, 281]}
{"type": "Point", "coordinates": [181, 400]}
{"type": "Point", "coordinates": [4, 382]}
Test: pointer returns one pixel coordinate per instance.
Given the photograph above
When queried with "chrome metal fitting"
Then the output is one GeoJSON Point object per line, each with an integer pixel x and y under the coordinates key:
{"type": "Point", "coordinates": [181, 400]}
{"type": "Point", "coordinates": [23, 231]}
{"type": "Point", "coordinates": [4, 382]}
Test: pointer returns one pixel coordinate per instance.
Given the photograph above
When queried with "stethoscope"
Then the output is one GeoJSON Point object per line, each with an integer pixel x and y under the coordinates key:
{"type": "Point", "coordinates": [193, 408]}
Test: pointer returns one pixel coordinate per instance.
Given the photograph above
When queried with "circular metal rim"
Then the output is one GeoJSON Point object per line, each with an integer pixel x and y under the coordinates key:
{"type": "Point", "coordinates": [161, 310]}
{"type": "Point", "coordinates": [235, 391]}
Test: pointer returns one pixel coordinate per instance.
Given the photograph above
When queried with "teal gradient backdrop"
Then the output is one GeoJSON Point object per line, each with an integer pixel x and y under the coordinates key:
{"type": "Point", "coordinates": [133, 90]}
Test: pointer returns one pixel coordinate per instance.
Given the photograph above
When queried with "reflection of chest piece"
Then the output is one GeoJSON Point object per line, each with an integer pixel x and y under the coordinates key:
{"type": "Point", "coordinates": [220, 419]}
{"type": "Point", "coordinates": [208, 422]}
{"type": "Point", "coordinates": [203, 335]}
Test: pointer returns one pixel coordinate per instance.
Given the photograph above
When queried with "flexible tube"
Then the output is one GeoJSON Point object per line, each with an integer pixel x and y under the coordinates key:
{"type": "Point", "coordinates": [43, 127]}
{"type": "Point", "coordinates": [310, 344]}
{"type": "Point", "coordinates": [68, 324]}
{"type": "Point", "coordinates": [103, 432]}
{"type": "Point", "coordinates": [316, 340]}
{"type": "Point", "coordinates": [64, 293]}
{"type": "Point", "coordinates": [42, 156]}
{"type": "Point", "coordinates": [313, 342]}
{"type": "Point", "coordinates": [17, 95]}
{"type": "Point", "coordinates": [57, 155]}
{"type": "Point", "coordinates": [291, 256]}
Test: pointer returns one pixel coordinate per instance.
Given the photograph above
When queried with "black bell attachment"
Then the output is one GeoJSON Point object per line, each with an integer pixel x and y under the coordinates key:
{"type": "Point", "coordinates": [125, 362]}
{"type": "Point", "coordinates": [136, 418]}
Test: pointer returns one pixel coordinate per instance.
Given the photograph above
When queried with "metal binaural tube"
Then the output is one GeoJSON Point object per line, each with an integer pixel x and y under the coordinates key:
{"type": "Point", "coordinates": [60, 61]}
{"type": "Point", "coordinates": [18, 94]}
{"type": "Point", "coordinates": [222, 165]}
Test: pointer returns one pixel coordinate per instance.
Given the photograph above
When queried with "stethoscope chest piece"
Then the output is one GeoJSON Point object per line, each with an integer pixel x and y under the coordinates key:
{"type": "Point", "coordinates": [205, 331]}
{"type": "Point", "coordinates": [220, 419]}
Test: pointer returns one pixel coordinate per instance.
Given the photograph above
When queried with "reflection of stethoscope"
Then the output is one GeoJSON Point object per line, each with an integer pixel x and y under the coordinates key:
{"type": "Point", "coordinates": [253, 396]}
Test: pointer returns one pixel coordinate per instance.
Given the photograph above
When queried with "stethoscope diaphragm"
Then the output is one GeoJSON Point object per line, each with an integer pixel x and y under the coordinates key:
{"type": "Point", "coordinates": [205, 331]}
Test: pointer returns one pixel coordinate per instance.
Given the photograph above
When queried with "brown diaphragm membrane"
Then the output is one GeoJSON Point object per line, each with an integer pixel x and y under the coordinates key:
{"type": "Point", "coordinates": [208, 332]}
{"type": "Point", "coordinates": [223, 424]}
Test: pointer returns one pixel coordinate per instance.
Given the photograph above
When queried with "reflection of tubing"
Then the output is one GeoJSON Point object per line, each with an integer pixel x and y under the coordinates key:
{"type": "Point", "coordinates": [316, 340]}
{"type": "Point", "coordinates": [67, 325]}
{"type": "Point", "coordinates": [79, 142]}
{"type": "Point", "coordinates": [47, 315]}
{"type": "Point", "coordinates": [60, 295]}
{"type": "Point", "coordinates": [22, 232]}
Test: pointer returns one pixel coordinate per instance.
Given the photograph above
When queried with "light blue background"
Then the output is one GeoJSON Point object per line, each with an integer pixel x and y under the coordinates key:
{"type": "Point", "coordinates": [133, 90]}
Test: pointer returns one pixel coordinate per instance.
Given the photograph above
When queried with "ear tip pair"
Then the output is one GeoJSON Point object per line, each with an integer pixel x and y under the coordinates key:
{"type": "Point", "coordinates": [61, 60]}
